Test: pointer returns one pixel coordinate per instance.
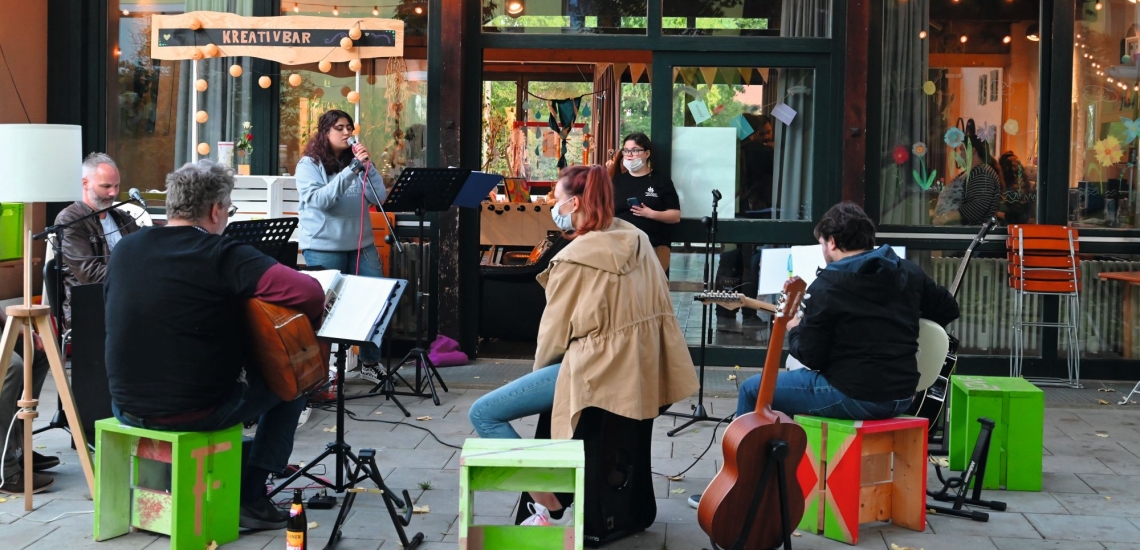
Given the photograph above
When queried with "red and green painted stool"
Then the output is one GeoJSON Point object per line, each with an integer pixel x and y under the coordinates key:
{"type": "Point", "coordinates": [183, 484]}
{"type": "Point", "coordinates": [858, 471]}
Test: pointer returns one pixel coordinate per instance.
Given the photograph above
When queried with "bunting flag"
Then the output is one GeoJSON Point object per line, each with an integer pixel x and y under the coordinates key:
{"type": "Point", "coordinates": [746, 74]}
{"type": "Point", "coordinates": [688, 75]}
{"type": "Point", "coordinates": [709, 74]}
{"type": "Point", "coordinates": [619, 69]}
{"type": "Point", "coordinates": [649, 73]}
{"type": "Point", "coordinates": [635, 72]}
{"type": "Point", "coordinates": [729, 75]}
{"type": "Point", "coordinates": [764, 77]}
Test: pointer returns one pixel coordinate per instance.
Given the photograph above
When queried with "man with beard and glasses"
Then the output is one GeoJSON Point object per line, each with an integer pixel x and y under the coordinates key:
{"type": "Point", "coordinates": [87, 245]}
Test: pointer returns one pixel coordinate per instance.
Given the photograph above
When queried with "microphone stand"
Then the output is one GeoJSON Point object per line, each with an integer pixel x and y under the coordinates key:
{"type": "Point", "coordinates": [59, 419]}
{"type": "Point", "coordinates": [699, 413]}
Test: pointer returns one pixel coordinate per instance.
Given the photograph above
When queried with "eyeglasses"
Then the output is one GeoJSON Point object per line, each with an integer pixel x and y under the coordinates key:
{"type": "Point", "coordinates": [629, 152]}
{"type": "Point", "coordinates": [232, 210]}
{"type": "Point", "coordinates": [344, 127]}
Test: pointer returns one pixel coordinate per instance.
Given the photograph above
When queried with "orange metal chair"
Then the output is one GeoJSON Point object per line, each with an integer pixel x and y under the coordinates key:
{"type": "Point", "coordinates": [1043, 261]}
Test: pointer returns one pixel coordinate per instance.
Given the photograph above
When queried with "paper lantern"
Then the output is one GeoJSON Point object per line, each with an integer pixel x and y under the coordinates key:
{"type": "Point", "coordinates": [212, 50]}
{"type": "Point", "coordinates": [353, 96]}
{"type": "Point", "coordinates": [197, 54]}
{"type": "Point", "coordinates": [325, 66]}
{"type": "Point", "coordinates": [294, 80]}
{"type": "Point", "coordinates": [201, 85]}
{"type": "Point", "coordinates": [356, 130]}
{"type": "Point", "coordinates": [203, 149]}
{"type": "Point", "coordinates": [201, 117]}
{"type": "Point", "coordinates": [265, 82]}
{"type": "Point", "coordinates": [346, 43]}
{"type": "Point", "coordinates": [195, 24]}
{"type": "Point", "coordinates": [235, 70]}
{"type": "Point", "coordinates": [354, 65]}
{"type": "Point", "coordinates": [354, 33]}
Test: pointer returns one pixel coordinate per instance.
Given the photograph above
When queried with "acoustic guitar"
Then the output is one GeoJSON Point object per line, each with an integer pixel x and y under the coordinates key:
{"type": "Point", "coordinates": [285, 349]}
{"type": "Point", "coordinates": [725, 505]}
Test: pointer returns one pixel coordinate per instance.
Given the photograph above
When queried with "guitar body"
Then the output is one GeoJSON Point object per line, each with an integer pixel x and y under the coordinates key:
{"type": "Point", "coordinates": [932, 401]}
{"type": "Point", "coordinates": [285, 350]}
{"type": "Point", "coordinates": [724, 505]}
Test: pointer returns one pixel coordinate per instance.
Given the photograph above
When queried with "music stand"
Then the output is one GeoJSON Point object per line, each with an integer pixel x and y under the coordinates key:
{"type": "Point", "coordinates": [268, 236]}
{"type": "Point", "coordinates": [423, 190]}
{"type": "Point", "coordinates": [350, 468]}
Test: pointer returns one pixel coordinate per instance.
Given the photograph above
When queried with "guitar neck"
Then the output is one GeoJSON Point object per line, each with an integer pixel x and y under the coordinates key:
{"type": "Point", "coordinates": [758, 305]}
{"type": "Point", "coordinates": [788, 307]}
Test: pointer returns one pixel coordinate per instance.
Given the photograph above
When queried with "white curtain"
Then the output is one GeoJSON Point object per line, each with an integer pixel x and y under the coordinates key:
{"type": "Point", "coordinates": [792, 188]}
{"type": "Point", "coordinates": [227, 100]}
{"type": "Point", "coordinates": [904, 110]}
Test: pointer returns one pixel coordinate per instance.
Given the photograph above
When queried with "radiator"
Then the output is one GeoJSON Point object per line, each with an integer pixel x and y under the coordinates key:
{"type": "Point", "coordinates": [406, 266]}
{"type": "Point", "coordinates": [986, 303]}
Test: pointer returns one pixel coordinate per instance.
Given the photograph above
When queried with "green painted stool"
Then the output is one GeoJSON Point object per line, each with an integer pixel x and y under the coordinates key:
{"type": "Point", "coordinates": [1017, 408]}
{"type": "Point", "coordinates": [514, 465]}
{"type": "Point", "coordinates": [183, 484]}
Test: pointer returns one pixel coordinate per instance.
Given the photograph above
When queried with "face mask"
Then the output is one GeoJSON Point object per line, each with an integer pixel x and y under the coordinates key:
{"type": "Point", "coordinates": [562, 221]}
{"type": "Point", "coordinates": [633, 165]}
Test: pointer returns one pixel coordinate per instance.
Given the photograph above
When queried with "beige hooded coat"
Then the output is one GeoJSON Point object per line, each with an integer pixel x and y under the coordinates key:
{"type": "Point", "coordinates": [610, 322]}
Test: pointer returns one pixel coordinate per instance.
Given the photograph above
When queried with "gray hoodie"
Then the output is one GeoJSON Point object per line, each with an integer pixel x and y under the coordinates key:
{"type": "Point", "coordinates": [331, 213]}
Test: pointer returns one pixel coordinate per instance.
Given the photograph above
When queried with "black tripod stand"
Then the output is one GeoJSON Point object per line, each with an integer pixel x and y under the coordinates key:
{"type": "Point", "coordinates": [699, 413]}
{"type": "Point", "coordinates": [351, 469]}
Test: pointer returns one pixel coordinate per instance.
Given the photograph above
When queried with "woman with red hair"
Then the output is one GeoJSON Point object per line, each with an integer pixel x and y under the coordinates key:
{"type": "Point", "coordinates": [608, 337]}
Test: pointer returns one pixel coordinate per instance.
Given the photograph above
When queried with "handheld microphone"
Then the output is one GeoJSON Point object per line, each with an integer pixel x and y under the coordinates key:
{"type": "Point", "coordinates": [352, 141]}
{"type": "Point", "coordinates": [136, 196]}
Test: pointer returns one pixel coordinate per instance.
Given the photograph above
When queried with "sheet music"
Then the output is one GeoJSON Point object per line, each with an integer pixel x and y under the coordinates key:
{"type": "Point", "coordinates": [802, 261]}
{"type": "Point", "coordinates": [360, 304]}
{"type": "Point", "coordinates": [329, 279]}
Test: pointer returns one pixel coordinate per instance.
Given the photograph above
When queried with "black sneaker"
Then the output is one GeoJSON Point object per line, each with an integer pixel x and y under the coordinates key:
{"type": "Point", "coordinates": [261, 514]}
{"type": "Point", "coordinates": [43, 462]}
{"type": "Point", "coordinates": [14, 484]}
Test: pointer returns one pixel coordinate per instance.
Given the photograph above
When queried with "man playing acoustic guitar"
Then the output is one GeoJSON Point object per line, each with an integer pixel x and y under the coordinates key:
{"type": "Point", "coordinates": [177, 340]}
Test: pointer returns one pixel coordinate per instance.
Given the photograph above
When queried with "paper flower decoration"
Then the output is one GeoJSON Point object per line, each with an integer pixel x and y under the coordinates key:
{"type": "Point", "coordinates": [923, 178]}
{"type": "Point", "coordinates": [901, 155]}
{"type": "Point", "coordinates": [928, 88]}
{"type": "Point", "coordinates": [1131, 129]}
{"type": "Point", "coordinates": [954, 137]}
{"type": "Point", "coordinates": [919, 149]}
{"type": "Point", "coordinates": [987, 133]}
{"type": "Point", "coordinates": [1011, 127]}
{"type": "Point", "coordinates": [1108, 150]}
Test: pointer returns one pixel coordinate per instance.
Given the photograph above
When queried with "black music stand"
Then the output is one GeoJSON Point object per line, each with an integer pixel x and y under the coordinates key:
{"type": "Point", "coordinates": [269, 236]}
{"type": "Point", "coordinates": [423, 190]}
{"type": "Point", "coordinates": [350, 468]}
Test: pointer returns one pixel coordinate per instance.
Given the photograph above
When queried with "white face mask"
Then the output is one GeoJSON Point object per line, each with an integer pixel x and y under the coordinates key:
{"type": "Point", "coordinates": [633, 165]}
{"type": "Point", "coordinates": [562, 221]}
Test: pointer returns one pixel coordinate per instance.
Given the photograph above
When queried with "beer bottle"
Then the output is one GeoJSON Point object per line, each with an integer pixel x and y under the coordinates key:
{"type": "Point", "coordinates": [297, 531]}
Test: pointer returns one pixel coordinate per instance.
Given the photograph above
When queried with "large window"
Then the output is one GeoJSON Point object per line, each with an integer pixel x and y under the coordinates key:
{"type": "Point", "coordinates": [959, 113]}
{"type": "Point", "coordinates": [1106, 115]}
{"type": "Point", "coordinates": [393, 92]}
{"type": "Point", "coordinates": [565, 16]}
{"type": "Point", "coordinates": [804, 18]}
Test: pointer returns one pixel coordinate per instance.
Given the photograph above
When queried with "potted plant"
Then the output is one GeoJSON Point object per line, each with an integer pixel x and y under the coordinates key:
{"type": "Point", "coordinates": [245, 148]}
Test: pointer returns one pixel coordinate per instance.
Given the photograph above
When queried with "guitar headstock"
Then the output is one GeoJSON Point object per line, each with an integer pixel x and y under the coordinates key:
{"type": "Point", "coordinates": [791, 298]}
{"type": "Point", "coordinates": [723, 298]}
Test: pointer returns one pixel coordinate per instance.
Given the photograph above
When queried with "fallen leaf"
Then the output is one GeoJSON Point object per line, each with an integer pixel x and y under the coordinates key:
{"type": "Point", "coordinates": [422, 418]}
{"type": "Point", "coordinates": [421, 509]}
{"type": "Point", "coordinates": [1106, 390]}
{"type": "Point", "coordinates": [313, 525]}
{"type": "Point", "coordinates": [331, 430]}
{"type": "Point", "coordinates": [498, 362]}
{"type": "Point", "coordinates": [737, 367]}
{"type": "Point", "coordinates": [378, 413]}
{"type": "Point", "coordinates": [476, 377]}
{"type": "Point", "coordinates": [212, 546]}
{"type": "Point", "coordinates": [796, 534]}
{"type": "Point", "coordinates": [3, 499]}
{"type": "Point", "coordinates": [675, 478]}
{"type": "Point", "coordinates": [40, 447]}
{"type": "Point", "coordinates": [678, 491]}
{"type": "Point", "coordinates": [1107, 498]}
{"type": "Point", "coordinates": [1102, 402]}
{"type": "Point", "coordinates": [1102, 435]}
{"type": "Point", "coordinates": [732, 377]}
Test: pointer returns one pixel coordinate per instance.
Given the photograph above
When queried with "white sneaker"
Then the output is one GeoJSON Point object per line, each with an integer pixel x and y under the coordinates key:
{"type": "Point", "coordinates": [567, 517]}
{"type": "Point", "coordinates": [539, 515]}
{"type": "Point", "coordinates": [304, 416]}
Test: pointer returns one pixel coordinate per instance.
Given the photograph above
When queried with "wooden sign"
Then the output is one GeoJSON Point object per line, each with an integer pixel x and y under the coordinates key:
{"type": "Point", "coordinates": [289, 40]}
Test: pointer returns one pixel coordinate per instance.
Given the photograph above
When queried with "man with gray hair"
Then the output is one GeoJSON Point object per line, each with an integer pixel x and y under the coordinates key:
{"type": "Point", "coordinates": [177, 352]}
{"type": "Point", "coordinates": [87, 245]}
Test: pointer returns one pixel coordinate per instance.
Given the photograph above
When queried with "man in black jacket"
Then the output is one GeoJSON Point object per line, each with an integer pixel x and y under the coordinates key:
{"type": "Point", "coordinates": [858, 334]}
{"type": "Point", "coordinates": [86, 246]}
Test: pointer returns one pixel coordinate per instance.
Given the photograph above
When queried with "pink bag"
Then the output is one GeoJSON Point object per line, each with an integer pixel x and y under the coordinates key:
{"type": "Point", "coordinates": [445, 352]}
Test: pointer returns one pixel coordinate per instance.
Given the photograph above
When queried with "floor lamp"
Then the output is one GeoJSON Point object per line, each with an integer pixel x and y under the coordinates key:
{"type": "Point", "coordinates": [40, 163]}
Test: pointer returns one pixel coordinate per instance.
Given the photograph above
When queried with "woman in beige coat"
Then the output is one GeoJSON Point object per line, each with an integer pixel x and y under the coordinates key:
{"type": "Point", "coordinates": [609, 337]}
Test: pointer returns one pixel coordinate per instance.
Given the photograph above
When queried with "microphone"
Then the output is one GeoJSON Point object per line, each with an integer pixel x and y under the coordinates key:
{"type": "Point", "coordinates": [352, 142]}
{"type": "Point", "coordinates": [136, 196]}
{"type": "Point", "coordinates": [356, 165]}
{"type": "Point", "coordinates": [716, 196]}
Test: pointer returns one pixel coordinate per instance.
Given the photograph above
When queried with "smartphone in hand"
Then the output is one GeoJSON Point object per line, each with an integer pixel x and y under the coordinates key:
{"type": "Point", "coordinates": [633, 202]}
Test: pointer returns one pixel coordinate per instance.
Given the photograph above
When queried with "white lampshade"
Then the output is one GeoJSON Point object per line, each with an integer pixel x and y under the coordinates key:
{"type": "Point", "coordinates": [40, 163]}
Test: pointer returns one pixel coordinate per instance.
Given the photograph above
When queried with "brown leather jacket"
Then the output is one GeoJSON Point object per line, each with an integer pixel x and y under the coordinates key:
{"type": "Point", "coordinates": [85, 251]}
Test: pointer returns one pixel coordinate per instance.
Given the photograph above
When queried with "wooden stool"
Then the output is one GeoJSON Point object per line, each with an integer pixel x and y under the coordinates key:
{"type": "Point", "coordinates": [195, 502]}
{"type": "Point", "coordinates": [1017, 408]}
{"type": "Point", "coordinates": [857, 471]}
{"type": "Point", "coordinates": [555, 466]}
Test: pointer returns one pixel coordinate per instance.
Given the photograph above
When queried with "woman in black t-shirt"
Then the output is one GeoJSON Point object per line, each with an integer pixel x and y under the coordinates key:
{"type": "Point", "coordinates": [645, 198]}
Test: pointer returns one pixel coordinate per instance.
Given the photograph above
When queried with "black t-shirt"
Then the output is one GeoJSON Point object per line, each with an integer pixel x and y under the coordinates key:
{"type": "Point", "coordinates": [176, 334]}
{"type": "Point", "coordinates": [653, 190]}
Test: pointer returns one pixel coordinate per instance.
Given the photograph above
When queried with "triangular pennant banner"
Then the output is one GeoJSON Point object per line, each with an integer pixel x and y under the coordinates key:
{"type": "Point", "coordinates": [688, 75]}
{"type": "Point", "coordinates": [709, 73]}
{"type": "Point", "coordinates": [746, 74]}
{"type": "Point", "coordinates": [635, 71]}
{"type": "Point", "coordinates": [619, 69]}
{"type": "Point", "coordinates": [764, 76]}
{"type": "Point", "coordinates": [728, 74]}
{"type": "Point", "coordinates": [649, 73]}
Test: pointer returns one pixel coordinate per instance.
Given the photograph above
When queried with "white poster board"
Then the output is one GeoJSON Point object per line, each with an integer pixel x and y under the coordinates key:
{"type": "Point", "coordinates": [777, 265]}
{"type": "Point", "coordinates": [705, 159]}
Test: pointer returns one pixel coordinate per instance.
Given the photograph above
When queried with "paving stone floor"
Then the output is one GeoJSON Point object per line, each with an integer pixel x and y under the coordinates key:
{"type": "Point", "coordinates": [1091, 497]}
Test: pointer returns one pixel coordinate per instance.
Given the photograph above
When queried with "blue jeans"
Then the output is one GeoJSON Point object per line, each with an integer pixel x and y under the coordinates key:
{"type": "Point", "coordinates": [806, 391]}
{"type": "Point", "coordinates": [529, 395]}
{"type": "Point", "coordinates": [250, 400]}
{"type": "Point", "coordinates": [345, 262]}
